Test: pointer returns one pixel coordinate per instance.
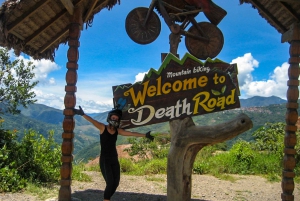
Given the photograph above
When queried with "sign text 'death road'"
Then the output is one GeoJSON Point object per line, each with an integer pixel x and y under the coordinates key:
{"type": "Point", "coordinates": [180, 88]}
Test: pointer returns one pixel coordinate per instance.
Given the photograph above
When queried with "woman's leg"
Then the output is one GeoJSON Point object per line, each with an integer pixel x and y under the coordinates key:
{"type": "Point", "coordinates": [116, 174]}
{"type": "Point", "coordinates": [110, 169]}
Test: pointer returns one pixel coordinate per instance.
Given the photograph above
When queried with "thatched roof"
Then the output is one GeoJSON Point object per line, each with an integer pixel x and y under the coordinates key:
{"type": "Point", "coordinates": [281, 14]}
{"type": "Point", "coordinates": [38, 27]}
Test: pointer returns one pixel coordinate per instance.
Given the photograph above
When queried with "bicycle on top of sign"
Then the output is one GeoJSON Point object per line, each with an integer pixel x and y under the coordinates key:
{"type": "Point", "coordinates": [202, 39]}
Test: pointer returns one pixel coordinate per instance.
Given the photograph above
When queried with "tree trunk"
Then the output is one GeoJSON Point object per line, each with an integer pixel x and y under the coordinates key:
{"type": "Point", "coordinates": [186, 141]}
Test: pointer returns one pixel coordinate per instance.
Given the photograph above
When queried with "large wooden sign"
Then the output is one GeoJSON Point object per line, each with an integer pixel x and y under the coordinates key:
{"type": "Point", "coordinates": [180, 88]}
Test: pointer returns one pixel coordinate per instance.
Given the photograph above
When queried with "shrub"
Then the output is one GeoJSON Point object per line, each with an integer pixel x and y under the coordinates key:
{"type": "Point", "coordinates": [35, 159]}
{"type": "Point", "coordinates": [156, 166]}
{"type": "Point", "coordinates": [126, 165]}
{"type": "Point", "coordinates": [39, 158]}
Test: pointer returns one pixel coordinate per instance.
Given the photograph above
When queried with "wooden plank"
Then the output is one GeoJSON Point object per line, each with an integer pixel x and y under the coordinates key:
{"type": "Point", "coordinates": [48, 24]}
{"type": "Point", "coordinates": [54, 39]}
{"type": "Point", "coordinates": [44, 27]}
{"type": "Point", "coordinates": [288, 1]}
{"type": "Point", "coordinates": [26, 15]}
{"type": "Point", "coordinates": [290, 10]}
{"type": "Point", "coordinates": [292, 34]}
{"type": "Point", "coordinates": [90, 11]}
{"type": "Point", "coordinates": [68, 5]}
{"type": "Point", "coordinates": [269, 15]}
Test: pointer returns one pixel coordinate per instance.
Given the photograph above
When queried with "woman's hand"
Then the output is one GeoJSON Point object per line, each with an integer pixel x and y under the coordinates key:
{"type": "Point", "coordinates": [78, 112]}
{"type": "Point", "coordinates": [150, 137]}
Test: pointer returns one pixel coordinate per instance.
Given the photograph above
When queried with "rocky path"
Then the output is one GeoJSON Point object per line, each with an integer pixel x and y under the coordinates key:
{"type": "Point", "coordinates": [154, 188]}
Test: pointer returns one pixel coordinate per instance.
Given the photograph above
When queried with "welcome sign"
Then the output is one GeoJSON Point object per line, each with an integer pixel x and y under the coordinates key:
{"type": "Point", "coordinates": [180, 88]}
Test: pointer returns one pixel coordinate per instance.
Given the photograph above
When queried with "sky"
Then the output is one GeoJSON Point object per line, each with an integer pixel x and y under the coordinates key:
{"type": "Point", "coordinates": [108, 57]}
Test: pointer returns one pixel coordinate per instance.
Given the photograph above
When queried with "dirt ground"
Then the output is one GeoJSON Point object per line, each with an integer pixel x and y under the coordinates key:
{"type": "Point", "coordinates": [154, 188]}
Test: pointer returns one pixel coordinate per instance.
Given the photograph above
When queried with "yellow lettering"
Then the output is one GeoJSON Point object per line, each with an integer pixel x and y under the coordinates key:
{"type": "Point", "coordinates": [139, 97]}
{"type": "Point", "coordinates": [158, 86]}
{"type": "Point", "coordinates": [212, 103]}
{"type": "Point", "coordinates": [221, 102]}
{"type": "Point", "coordinates": [202, 81]}
{"type": "Point", "coordinates": [151, 91]}
{"type": "Point", "coordinates": [230, 98]}
{"type": "Point", "coordinates": [189, 84]}
{"type": "Point", "coordinates": [175, 88]}
{"type": "Point", "coordinates": [164, 90]}
{"type": "Point", "coordinates": [196, 98]}
{"type": "Point", "coordinates": [222, 79]}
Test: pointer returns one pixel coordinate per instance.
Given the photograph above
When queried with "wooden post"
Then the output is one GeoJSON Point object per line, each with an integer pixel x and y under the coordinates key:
{"type": "Point", "coordinates": [70, 102]}
{"type": "Point", "coordinates": [187, 140]}
{"type": "Point", "coordinates": [290, 140]}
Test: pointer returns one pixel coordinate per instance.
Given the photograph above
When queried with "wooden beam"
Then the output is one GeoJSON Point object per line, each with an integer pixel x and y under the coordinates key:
{"type": "Point", "coordinates": [90, 11]}
{"type": "Point", "coordinates": [288, 1]}
{"type": "Point", "coordinates": [47, 25]}
{"type": "Point", "coordinates": [68, 5]}
{"type": "Point", "coordinates": [44, 27]}
{"type": "Point", "coordinates": [262, 9]}
{"type": "Point", "coordinates": [290, 10]}
{"type": "Point", "coordinates": [54, 39]}
{"type": "Point", "coordinates": [292, 34]}
{"type": "Point", "coordinates": [26, 15]}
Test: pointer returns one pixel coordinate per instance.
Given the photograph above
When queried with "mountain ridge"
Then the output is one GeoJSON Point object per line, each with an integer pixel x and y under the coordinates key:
{"type": "Point", "coordinates": [43, 118]}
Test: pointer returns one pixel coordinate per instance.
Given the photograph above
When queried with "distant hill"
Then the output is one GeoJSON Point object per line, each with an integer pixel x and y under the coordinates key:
{"type": "Point", "coordinates": [259, 101]}
{"type": "Point", "coordinates": [43, 118]}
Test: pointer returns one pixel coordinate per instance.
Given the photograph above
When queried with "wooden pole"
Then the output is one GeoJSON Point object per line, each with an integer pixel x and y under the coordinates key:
{"type": "Point", "coordinates": [291, 118]}
{"type": "Point", "coordinates": [70, 102]}
{"type": "Point", "coordinates": [187, 140]}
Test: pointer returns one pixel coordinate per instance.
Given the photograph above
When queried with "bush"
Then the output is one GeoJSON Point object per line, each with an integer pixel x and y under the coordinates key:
{"type": "Point", "coordinates": [156, 166]}
{"type": "Point", "coordinates": [10, 180]}
{"type": "Point", "coordinates": [39, 158]}
{"type": "Point", "coordinates": [126, 165]}
{"type": "Point", "coordinates": [35, 159]}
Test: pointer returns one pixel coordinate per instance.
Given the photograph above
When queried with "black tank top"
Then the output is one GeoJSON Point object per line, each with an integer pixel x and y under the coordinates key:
{"type": "Point", "coordinates": [108, 143]}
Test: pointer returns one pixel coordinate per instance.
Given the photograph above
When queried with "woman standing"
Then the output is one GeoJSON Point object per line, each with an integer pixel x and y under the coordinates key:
{"type": "Point", "coordinates": [109, 163]}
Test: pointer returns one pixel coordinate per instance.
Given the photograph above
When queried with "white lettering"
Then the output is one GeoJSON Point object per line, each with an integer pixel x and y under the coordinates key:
{"type": "Point", "coordinates": [200, 69]}
{"type": "Point", "coordinates": [181, 107]}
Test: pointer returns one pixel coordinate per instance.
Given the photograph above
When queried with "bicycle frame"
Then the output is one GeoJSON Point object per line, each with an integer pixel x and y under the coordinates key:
{"type": "Point", "coordinates": [175, 28]}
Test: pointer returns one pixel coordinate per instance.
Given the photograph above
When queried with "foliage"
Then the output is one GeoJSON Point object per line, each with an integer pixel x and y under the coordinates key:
{"type": "Point", "coordinates": [261, 157]}
{"type": "Point", "coordinates": [39, 157]}
{"type": "Point", "coordinates": [270, 138]}
{"type": "Point", "coordinates": [34, 159]}
{"type": "Point", "coordinates": [126, 165]}
{"type": "Point", "coordinates": [159, 148]}
{"type": "Point", "coordinates": [156, 166]}
{"type": "Point", "coordinates": [78, 174]}
{"type": "Point", "coordinates": [10, 180]}
{"type": "Point", "coordinates": [15, 82]}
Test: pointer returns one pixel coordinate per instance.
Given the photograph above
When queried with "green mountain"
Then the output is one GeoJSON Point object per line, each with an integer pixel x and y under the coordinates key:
{"type": "Point", "coordinates": [86, 141]}
{"type": "Point", "coordinates": [261, 101]}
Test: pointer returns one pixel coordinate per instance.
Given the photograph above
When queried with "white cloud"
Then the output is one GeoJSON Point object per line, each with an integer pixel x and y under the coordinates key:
{"type": "Point", "coordinates": [275, 85]}
{"type": "Point", "coordinates": [42, 69]}
{"type": "Point", "coordinates": [90, 106]}
{"type": "Point", "coordinates": [246, 65]}
{"type": "Point", "coordinates": [49, 98]}
{"type": "Point", "coordinates": [140, 76]}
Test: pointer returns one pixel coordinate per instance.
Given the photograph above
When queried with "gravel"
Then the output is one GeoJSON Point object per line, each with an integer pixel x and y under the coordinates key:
{"type": "Point", "coordinates": [154, 188]}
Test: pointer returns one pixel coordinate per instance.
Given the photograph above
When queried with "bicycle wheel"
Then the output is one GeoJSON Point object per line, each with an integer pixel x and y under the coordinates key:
{"type": "Point", "coordinates": [203, 50]}
{"type": "Point", "coordinates": [135, 28]}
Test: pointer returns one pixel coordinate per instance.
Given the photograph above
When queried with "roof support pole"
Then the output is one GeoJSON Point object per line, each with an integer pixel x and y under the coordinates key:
{"type": "Point", "coordinates": [291, 118]}
{"type": "Point", "coordinates": [70, 102]}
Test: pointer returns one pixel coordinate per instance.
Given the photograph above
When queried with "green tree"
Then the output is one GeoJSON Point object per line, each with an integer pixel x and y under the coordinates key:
{"type": "Point", "coordinates": [15, 83]}
{"type": "Point", "coordinates": [270, 138]}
